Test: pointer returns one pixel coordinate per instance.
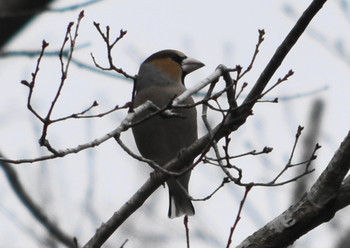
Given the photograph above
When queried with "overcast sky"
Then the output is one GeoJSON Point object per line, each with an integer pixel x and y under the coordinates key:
{"type": "Point", "coordinates": [102, 179]}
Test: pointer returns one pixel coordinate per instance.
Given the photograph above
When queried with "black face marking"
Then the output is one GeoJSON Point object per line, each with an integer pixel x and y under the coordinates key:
{"type": "Point", "coordinates": [177, 58]}
{"type": "Point", "coordinates": [174, 55]}
{"type": "Point", "coordinates": [170, 56]}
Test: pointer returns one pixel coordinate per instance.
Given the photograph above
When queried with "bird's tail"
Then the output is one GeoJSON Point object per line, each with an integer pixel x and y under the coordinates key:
{"type": "Point", "coordinates": [179, 203]}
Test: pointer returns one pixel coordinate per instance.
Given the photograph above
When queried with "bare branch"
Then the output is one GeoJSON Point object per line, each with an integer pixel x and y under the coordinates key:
{"type": "Point", "coordinates": [124, 243]}
{"type": "Point", "coordinates": [257, 46]}
{"type": "Point", "coordinates": [325, 198]}
{"type": "Point", "coordinates": [187, 231]}
{"type": "Point", "coordinates": [153, 164]}
{"type": "Point", "coordinates": [288, 165]}
{"type": "Point", "coordinates": [284, 49]}
{"type": "Point", "coordinates": [109, 45]}
{"type": "Point", "coordinates": [82, 115]}
{"type": "Point", "coordinates": [279, 81]}
{"type": "Point", "coordinates": [55, 53]}
{"type": "Point", "coordinates": [244, 85]}
{"type": "Point", "coordinates": [64, 72]}
{"type": "Point", "coordinates": [232, 120]}
{"type": "Point", "coordinates": [224, 181]}
{"type": "Point", "coordinates": [31, 85]}
{"type": "Point", "coordinates": [124, 125]}
{"type": "Point", "coordinates": [33, 208]}
{"type": "Point", "coordinates": [265, 150]}
{"type": "Point", "coordinates": [238, 217]}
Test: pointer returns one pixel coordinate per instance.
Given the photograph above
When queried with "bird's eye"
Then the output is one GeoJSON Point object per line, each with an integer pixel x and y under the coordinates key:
{"type": "Point", "coordinates": [177, 58]}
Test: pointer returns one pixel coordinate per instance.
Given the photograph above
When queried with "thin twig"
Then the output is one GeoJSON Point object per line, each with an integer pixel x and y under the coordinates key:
{"type": "Point", "coordinates": [265, 150]}
{"type": "Point", "coordinates": [153, 164]}
{"type": "Point", "coordinates": [109, 45]}
{"type": "Point", "coordinates": [288, 165]}
{"type": "Point", "coordinates": [187, 230]}
{"type": "Point", "coordinates": [31, 85]}
{"type": "Point", "coordinates": [244, 85]}
{"type": "Point", "coordinates": [124, 243]}
{"type": "Point", "coordinates": [64, 72]}
{"type": "Point", "coordinates": [82, 115]}
{"type": "Point", "coordinates": [256, 51]}
{"type": "Point", "coordinates": [279, 81]}
{"type": "Point", "coordinates": [238, 216]}
{"type": "Point", "coordinates": [233, 121]}
{"type": "Point", "coordinates": [224, 181]}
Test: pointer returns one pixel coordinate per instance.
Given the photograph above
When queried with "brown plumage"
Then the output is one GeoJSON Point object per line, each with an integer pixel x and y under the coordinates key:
{"type": "Point", "coordinates": [160, 138]}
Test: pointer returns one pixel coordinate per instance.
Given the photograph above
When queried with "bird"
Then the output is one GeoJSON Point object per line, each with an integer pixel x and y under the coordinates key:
{"type": "Point", "coordinates": [160, 138]}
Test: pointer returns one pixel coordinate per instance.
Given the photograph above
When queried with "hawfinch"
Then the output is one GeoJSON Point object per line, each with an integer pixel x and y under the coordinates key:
{"type": "Point", "coordinates": [161, 138]}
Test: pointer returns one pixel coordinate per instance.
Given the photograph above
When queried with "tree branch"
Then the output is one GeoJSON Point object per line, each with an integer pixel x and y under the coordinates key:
{"type": "Point", "coordinates": [33, 208]}
{"type": "Point", "coordinates": [234, 120]}
{"type": "Point", "coordinates": [325, 198]}
{"type": "Point", "coordinates": [284, 49]}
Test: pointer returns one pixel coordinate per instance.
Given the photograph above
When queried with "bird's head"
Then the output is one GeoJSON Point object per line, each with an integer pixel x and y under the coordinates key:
{"type": "Point", "coordinates": [167, 66]}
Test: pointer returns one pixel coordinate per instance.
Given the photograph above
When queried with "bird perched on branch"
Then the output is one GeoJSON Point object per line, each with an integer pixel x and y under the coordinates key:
{"type": "Point", "coordinates": [160, 138]}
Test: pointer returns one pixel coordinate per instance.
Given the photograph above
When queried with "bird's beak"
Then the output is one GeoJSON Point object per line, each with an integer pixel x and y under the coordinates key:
{"type": "Point", "coordinates": [189, 65]}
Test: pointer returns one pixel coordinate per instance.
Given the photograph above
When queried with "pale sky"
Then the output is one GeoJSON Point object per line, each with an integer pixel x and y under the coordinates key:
{"type": "Point", "coordinates": [220, 32]}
